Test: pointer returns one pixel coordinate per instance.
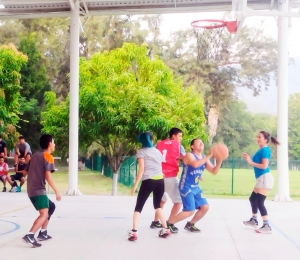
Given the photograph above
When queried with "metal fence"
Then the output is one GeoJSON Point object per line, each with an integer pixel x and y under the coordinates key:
{"type": "Point", "coordinates": [127, 173]}
{"type": "Point", "coordinates": [128, 169]}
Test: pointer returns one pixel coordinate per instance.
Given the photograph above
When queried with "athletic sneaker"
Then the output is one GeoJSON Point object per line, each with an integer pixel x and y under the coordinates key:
{"type": "Point", "coordinates": [156, 224]}
{"type": "Point", "coordinates": [251, 223]}
{"type": "Point", "coordinates": [132, 236]}
{"type": "Point", "coordinates": [265, 229]}
{"type": "Point", "coordinates": [172, 228]}
{"type": "Point", "coordinates": [164, 233]}
{"type": "Point", "coordinates": [43, 236]}
{"type": "Point", "coordinates": [191, 227]}
{"type": "Point", "coordinates": [4, 189]}
{"type": "Point", "coordinates": [18, 188]}
{"type": "Point", "coordinates": [13, 189]}
{"type": "Point", "coordinates": [30, 240]}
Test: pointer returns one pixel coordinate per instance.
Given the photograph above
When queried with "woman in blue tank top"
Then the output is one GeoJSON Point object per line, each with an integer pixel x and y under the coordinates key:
{"type": "Point", "coordinates": [264, 181]}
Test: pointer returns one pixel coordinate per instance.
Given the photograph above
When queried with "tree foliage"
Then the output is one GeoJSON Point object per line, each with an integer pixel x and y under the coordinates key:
{"type": "Point", "coordinates": [11, 61]}
{"type": "Point", "coordinates": [294, 126]}
{"type": "Point", "coordinates": [238, 129]}
{"type": "Point", "coordinates": [249, 63]}
{"type": "Point", "coordinates": [122, 93]}
{"type": "Point", "coordinates": [34, 83]}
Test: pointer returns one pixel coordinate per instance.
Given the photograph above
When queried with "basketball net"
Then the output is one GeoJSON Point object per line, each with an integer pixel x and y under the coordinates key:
{"type": "Point", "coordinates": [212, 40]}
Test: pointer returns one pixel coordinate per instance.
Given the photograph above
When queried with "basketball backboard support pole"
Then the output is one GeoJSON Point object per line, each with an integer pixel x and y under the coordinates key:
{"type": "Point", "coordinates": [74, 101]}
{"type": "Point", "coordinates": [284, 14]}
{"type": "Point", "coordinates": [283, 186]}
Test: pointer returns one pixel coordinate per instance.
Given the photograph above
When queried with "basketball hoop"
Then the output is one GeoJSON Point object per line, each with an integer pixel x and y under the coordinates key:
{"type": "Point", "coordinates": [211, 42]}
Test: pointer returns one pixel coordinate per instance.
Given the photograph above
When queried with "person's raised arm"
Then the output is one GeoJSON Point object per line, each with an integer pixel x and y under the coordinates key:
{"type": "Point", "coordinates": [263, 165]}
{"type": "Point", "coordinates": [213, 169]}
{"type": "Point", "coordinates": [189, 159]}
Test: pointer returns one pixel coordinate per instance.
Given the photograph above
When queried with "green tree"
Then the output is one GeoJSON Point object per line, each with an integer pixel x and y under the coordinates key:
{"type": "Point", "coordinates": [11, 61]}
{"type": "Point", "coordinates": [238, 129]}
{"type": "Point", "coordinates": [294, 126]}
{"type": "Point", "coordinates": [249, 63]}
{"type": "Point", "coordinates": [34, 83]}
{"type": "Point", "coordinates": [122, 93]}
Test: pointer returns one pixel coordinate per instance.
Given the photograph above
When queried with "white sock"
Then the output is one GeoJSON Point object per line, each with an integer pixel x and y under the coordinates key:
{"type": "Point", "coordinates": [42, 230]}
{"type": "Point", "coordinates": [30, 233]}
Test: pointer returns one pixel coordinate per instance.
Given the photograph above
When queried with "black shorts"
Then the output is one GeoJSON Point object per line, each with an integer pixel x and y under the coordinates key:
{"type": "Point", "coordinates": [23, 154]}
{"type": "Point", "coordinates": [17, 177]}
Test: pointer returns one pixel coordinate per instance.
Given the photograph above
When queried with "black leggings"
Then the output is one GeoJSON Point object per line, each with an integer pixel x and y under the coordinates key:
{"type": "Point", "coordinates": [257, 201]}
{"type": "Point", "coordinates": [148, 186]}
{"type": "Point", "coordinates": [51, 209]}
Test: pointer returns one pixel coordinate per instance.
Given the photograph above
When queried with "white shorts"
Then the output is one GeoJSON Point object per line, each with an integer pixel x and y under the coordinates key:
{"type": "Point", "coordinates": [171, 190]}
{"type": "Point", "coordinates": [265, 181]}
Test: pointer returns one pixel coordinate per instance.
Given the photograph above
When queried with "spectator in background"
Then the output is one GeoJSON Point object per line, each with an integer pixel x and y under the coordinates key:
{"type": "Point", "coordinates": [3, 149]}
{"type": "Point", "coordinates": [3, 172]}
{"type": "Point", "coordinates": [23, 149]}
{"type": "Point", "coordinates": [18, 176]}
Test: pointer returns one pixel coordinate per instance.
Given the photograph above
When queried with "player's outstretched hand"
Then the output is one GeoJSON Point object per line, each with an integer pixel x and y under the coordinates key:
{"type": "Point", "coordinates": [246, 157]}
{"type": "Point", "coordinates": [58, 196]}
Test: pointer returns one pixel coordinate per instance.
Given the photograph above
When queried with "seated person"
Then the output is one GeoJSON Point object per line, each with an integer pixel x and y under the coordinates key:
{"type": "Point", "coordinates": [3, 149]}
{"type": "Point", "coordinates": [18, 176]}
{"type": "Point", "coordinates": [23, 149]}
{"type": "Point", "coordinates": [3, 172]}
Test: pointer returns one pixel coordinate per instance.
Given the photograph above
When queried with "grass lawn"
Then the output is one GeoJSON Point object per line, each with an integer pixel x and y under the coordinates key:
{"type": "Point", "coordinates": [214, 186]}
{"type": "Point", "coordinates": [89, 182]}
{"type": "Point", "coordinates": [243, 183]}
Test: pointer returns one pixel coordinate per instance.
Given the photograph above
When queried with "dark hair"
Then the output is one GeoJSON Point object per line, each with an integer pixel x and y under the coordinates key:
{"type": "Point", "coordinates": [45, 140]}
{"type": "Point", "coordinates": [21, 137]}
{"type": "Point", "coordinates": [145, 138]}
{"type": "Point", "coordinates": [21, 157]}
{"type": "Point", "coordinates": [1, 136]}
{"type": "Point", "coordinates": [193, 141]}
{"type": "Point", "coordinates": [174, 131]}
{"type": "Point", "coordinates": [269, 138]}
{"type": "Point", "coordinates": [1, 157]}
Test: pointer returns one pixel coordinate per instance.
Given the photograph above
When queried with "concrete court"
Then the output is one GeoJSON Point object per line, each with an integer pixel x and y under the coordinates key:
{"type": "Point", "coordinates": [95, 227]}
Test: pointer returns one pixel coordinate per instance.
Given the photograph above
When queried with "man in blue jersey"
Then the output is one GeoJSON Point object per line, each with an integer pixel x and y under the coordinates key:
{"type": "Point", "coordinates": [191, 194]}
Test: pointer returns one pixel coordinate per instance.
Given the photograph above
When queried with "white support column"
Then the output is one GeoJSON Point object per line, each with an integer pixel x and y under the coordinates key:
{"type": "Point", "coordinates": [283, 188]}
{"type": "Point", "coordinates": [74, 101]}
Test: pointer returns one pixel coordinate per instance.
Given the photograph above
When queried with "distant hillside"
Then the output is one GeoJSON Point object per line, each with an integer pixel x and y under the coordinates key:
{"type": "Point", "coordinates": [266, 102]}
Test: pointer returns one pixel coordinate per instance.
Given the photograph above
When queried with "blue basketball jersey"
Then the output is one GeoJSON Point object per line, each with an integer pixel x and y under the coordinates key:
{"type": "Point", "coordinates": [190, 176]}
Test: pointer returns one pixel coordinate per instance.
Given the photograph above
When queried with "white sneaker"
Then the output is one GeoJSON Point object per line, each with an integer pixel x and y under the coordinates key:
{"type": "Point", "coordinates": [13, 189]}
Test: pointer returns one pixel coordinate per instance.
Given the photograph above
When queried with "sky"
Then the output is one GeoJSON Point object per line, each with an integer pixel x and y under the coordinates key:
{"type": "Point", "coordinates": [266, 102]}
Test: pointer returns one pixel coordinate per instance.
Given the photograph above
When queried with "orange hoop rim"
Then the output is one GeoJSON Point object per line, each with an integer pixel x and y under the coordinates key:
{"type": "Point", "coordinates": [220, 25]}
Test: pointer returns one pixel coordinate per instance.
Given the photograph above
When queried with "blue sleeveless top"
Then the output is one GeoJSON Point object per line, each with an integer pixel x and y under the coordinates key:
{"type": "Point", "coordinates": [190, 176]}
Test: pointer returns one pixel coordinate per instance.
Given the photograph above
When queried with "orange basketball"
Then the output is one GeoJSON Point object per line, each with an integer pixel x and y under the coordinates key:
{"type": "Point", "coordinates": [220, 151]}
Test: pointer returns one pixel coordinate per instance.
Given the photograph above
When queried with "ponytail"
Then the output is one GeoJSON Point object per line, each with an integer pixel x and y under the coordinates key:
{"type": "Point", "coordinates": [269, 138]}
{"type": "Point", "coordinates": [274, 140]}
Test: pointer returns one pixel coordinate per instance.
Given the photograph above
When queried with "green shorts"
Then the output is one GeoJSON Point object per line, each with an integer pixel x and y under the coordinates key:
{"type": "Point", "coordinates": [40, 202]}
